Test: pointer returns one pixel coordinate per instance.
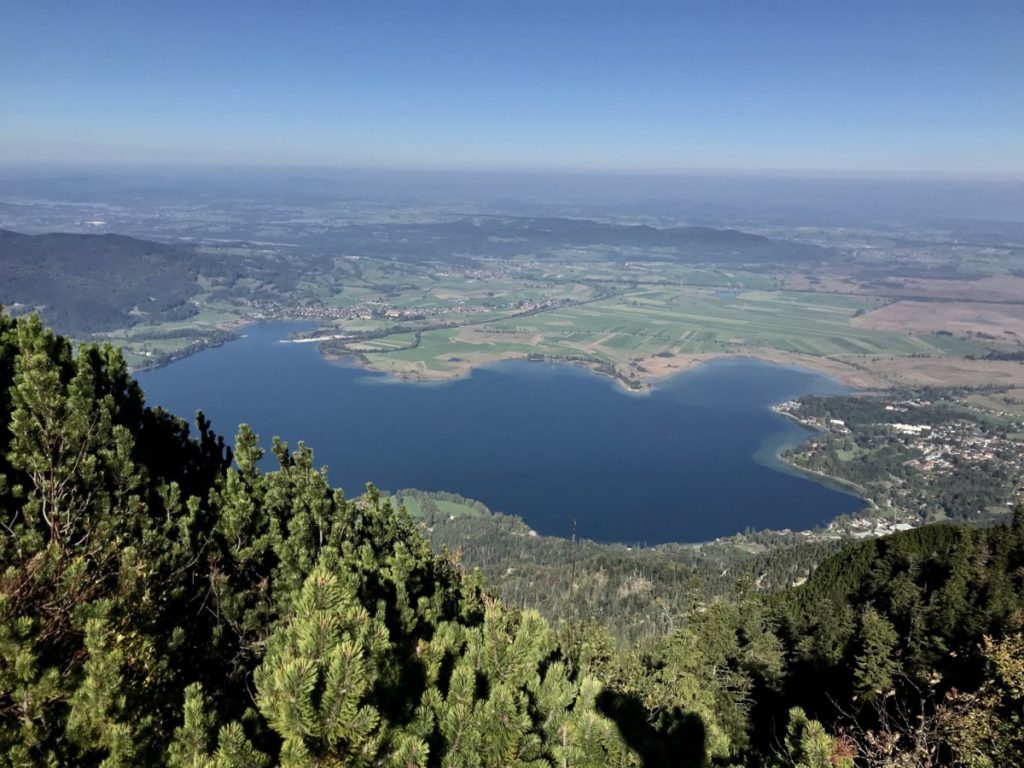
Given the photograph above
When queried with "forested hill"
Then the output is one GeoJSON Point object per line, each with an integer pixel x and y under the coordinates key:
{"type": "Point", "coordinates": [165, 602]}
{"type": "Point", "coordinates": [509, 237]}
{"type": "Point", "coordinates": [86, 283]}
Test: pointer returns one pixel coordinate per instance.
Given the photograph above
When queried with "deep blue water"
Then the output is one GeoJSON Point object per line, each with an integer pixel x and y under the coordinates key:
{"type": "Point", "coordinates": [685, 462]}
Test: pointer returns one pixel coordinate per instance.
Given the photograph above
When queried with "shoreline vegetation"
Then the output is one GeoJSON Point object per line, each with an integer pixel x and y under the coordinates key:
{"type": "Point", "coordinates": [880, 372]}
{"type": "Point", "coordinates": [656, 369]}
{"type": "Point", "coordinates": [830, 481]}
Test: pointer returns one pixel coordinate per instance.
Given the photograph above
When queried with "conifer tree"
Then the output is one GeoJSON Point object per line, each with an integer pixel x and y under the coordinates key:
{"type": "Point", "coordinates": [808, 745]}
{"type": "Point", "coordinates": [875, 664]}
{"type": "Point", "coordinates": [316, 680]}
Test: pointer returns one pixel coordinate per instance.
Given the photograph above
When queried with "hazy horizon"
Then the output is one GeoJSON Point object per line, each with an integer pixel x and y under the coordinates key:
{"type": "Point", "coordinates": [698, 198]}
{"type": "Point", "coordinates": [916, 90]}
{"type": "Point", "coordinates": [694, 172]}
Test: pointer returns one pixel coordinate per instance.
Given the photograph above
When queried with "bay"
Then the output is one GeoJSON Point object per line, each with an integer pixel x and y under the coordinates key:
{"type": "Point", "coordinates": [691, 460]}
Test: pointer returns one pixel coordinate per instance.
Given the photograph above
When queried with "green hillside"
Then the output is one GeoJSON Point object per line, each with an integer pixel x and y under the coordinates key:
{"type": "Point", "coordinates": [88, 283]}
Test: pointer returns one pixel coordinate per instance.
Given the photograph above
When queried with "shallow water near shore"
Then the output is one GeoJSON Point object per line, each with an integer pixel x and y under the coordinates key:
{"type": "Point", "coordinates": [691, 460]}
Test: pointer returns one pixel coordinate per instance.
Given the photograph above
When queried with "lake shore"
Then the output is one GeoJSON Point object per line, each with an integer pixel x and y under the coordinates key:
{"type": "Point", "coordinates": [640, 375]}
{"type": "Point", "coordinates": [821, 477]}
{"type": "Point", "coordinates": [649, 371]}
{"type": "Point", "coordinates": [662, 367]}
{"type": "Point", "coordinates": [566, 430]}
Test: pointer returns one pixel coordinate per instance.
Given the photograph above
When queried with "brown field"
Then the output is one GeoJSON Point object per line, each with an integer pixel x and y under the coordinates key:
{"type": "Point", "coordinates": [998, 289]}
{"type": "Point", "coordinates": [961, 318]}
{"type": "Point", "coordinates": [1004, 289]}
{"type": "Point", "coordinates": [658, 367]}
{"type": "Point", "coordinates": [821, 282]}
{"type": "Point", "coordinates": [948, 372]}
{"type": "Point", "coordinates": [851, 374]}
{"type": "Point", "coordinates": [867, 372]}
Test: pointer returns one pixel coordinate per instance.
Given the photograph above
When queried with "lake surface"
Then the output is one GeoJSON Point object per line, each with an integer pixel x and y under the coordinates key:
{"type": "Point", "coordinates": [689, 461]}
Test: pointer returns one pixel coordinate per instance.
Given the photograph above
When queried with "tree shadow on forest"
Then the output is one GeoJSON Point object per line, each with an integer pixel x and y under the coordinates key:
{"type": "Point", "coordinates": [676, 739]}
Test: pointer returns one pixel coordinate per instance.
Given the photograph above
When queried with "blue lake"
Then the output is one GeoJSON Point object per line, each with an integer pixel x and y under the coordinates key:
{"type": "Point", "coordinates": [692, 460]}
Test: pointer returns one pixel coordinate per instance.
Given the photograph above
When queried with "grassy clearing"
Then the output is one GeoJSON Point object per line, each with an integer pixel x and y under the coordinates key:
{"type": "Point", "coordinates": [393, 342]}
{"type": "Point", "coordinates": [454, 509]}
{"type": "Point", "coordinates": [412, 506]}
{"type": "Point", "coordinates": [451, 509]}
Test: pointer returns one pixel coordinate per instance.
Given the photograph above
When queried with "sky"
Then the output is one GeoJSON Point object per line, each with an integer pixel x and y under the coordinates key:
{"type": "Point", "coordinates": [896, 87]}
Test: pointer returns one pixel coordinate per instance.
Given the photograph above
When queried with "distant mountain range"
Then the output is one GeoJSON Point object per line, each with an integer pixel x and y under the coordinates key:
{"type": "Point", "coordinates": [495, 236]}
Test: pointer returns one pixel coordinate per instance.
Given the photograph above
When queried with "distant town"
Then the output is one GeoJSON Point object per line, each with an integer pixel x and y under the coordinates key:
{"type": "Point", "coordinates": [914, 470]}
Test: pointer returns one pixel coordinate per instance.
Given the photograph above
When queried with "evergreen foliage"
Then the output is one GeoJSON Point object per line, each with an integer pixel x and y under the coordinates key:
{"type": "Point", "coordinates": [164, 601]}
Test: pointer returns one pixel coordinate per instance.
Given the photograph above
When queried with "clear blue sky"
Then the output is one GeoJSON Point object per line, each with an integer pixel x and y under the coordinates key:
{"type": "Point", "coordinates": [895, 86]}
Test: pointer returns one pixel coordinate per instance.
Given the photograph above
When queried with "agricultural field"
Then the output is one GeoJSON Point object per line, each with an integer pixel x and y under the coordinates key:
{"type": "Point", "coordinates": [642, 332]}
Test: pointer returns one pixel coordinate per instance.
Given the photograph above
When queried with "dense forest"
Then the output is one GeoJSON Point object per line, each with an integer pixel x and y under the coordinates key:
{"type": "Point", "coordinates": [84, 284]}
{"type": "Point", "coordinates": [636, 593]}
{"type": "Point", "coordinates": [87, 283]}
{"type": "Point", "coordinates": [164, 601]}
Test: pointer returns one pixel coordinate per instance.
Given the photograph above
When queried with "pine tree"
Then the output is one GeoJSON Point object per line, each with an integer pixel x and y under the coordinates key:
{"type": "Point", "coordinates": [808, 745]}
{"type": "Point", "coordinates": [875, 663]}
{"type": "Point", "coordinates": [315, 683]}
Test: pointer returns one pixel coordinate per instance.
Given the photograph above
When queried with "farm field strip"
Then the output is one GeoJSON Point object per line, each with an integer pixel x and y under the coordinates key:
{"type": "Point", "coordinates": [767, 322]}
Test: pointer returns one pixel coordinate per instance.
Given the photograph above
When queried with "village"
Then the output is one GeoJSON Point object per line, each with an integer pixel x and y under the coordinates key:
{"type": "Point", "coordinates": [911, 462]}
{"type": "Point", "coordinates": [381, 310]}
